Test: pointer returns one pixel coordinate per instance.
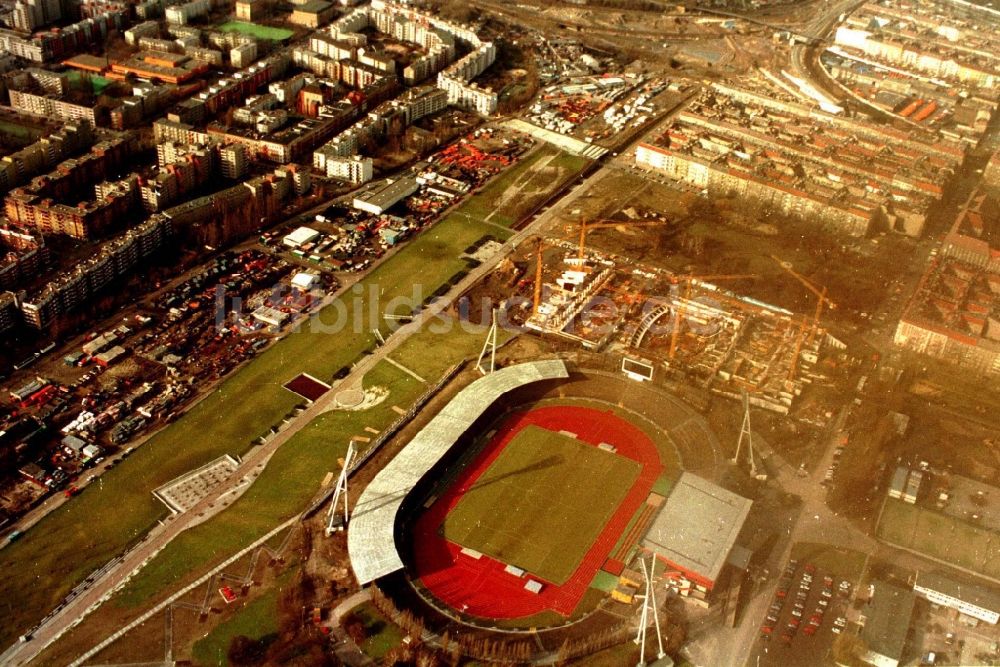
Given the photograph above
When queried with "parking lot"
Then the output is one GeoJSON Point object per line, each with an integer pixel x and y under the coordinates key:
{"type": "Point", "coordinates": [805, 615]}
{"type": "Point", "coordinates": [952, 638]}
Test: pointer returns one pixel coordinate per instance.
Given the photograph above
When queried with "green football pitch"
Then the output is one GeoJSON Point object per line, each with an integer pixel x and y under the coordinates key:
{"type": "Point", "coordinates": [258, 31]}
{"type": "Point", "coordinates": [542, 503]}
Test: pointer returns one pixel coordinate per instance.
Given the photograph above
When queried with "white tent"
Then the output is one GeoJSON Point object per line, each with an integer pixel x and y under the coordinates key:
{"type": "Point", "coordinates": [305, 281]}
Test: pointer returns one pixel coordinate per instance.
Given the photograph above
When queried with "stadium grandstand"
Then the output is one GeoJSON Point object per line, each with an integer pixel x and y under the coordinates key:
{"type": "Point", "coordinates": [371, 537]}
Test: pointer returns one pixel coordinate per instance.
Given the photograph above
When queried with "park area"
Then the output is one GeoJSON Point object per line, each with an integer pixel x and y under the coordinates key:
{"type": "Point", "coordinates": [542, 503]}
{"type": "Point", "coordinates": [941, 537]}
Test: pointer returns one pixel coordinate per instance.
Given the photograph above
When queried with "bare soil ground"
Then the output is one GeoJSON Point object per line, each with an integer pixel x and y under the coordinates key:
{"type": "Point", "coordinates": [722, 236]}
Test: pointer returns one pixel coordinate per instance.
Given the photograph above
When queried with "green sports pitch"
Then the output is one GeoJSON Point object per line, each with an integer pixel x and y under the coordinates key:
{"type": "Point", "coordinates": [258, 31]}
{"type": "Point", "coordinates": [542, 503]}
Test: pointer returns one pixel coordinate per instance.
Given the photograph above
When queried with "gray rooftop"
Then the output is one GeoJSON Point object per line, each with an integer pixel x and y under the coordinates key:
{"type": "Point", "coordinates": [371, 533]}
{"type": "Point", "coordinates": [698, 525]}
{"type": "Point", "coordinates": [388, 193]}
{"type": "Point", "coordinates": [973, 594]}
{"type": "Point", "coordinates": [887, 619]}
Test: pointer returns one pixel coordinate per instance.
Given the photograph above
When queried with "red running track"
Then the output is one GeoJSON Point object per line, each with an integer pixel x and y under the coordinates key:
{"type": "Point", "coordinates": [482, 587]}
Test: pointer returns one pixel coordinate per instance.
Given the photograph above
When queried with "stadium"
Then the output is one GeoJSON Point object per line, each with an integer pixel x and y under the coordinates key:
{"type": "Point", "coordinates": [527, 495]}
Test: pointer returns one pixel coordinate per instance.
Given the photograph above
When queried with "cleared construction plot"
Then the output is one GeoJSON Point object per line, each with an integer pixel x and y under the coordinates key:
{"type": "Point", "coordinates": [941, 537]}
{"type": "Point", "coordinates": [517, 191]}
{"type": "Point", "coordinates": [542, 503]}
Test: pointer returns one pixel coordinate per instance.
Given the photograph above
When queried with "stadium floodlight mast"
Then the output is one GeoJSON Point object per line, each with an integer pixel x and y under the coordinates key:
{"type": "Point", "coordinates": [489, 344]}
{"type": "Point", "coordinates": [649, 601]}
{"type": "Point", "coordinates": [746, 433]}
{"type": "Point", "coordinates": [333, 518]}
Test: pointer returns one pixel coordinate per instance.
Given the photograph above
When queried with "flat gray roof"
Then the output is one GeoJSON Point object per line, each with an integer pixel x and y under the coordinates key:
{"type": "Point", "coordinates": [371, 540]}
{"type": "Point", "coordinates": [386, 195]}
{"type": "Point", "coordinates": [698, 526]}
{"type": "Point", "coordinates": [971, 593]}
{"type": "Point", "coordinates": [887, 619]}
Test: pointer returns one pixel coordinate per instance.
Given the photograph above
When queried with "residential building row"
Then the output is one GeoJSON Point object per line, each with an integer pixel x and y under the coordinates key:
{"type": "Point", "coordinates": [47, 46]}
{"type": "Point", "coordinates": [26, 257]}
{"type": "Point", "coordinates": [38, 205]}
{"type": "Point", "coordinates": [925, 39]}
{"type": "Point", "coordinates": [406, 109]}
{"type": "Point", "coordinates": [804, 162]}
{"type": "Point", "coordinates": [44, 154]}
{"type": "Point", "coordinates": [115, 259]}
{"type": "Point", "coordinates": [954, 313]}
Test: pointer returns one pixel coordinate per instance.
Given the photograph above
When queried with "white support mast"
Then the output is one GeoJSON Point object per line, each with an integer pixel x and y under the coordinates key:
{"type": "Point", "coordinates": [660, 653]}
{"type": "Point", "coordinates": [334, 521]}
{"type": "Point", "coordinates": [640, 638]}
{"type": "Point", "coordinates": [745, 433]}
{"type": "Point", "coordinates": [744, 429]}
{"type": "Point", "coordinates": [489, 344]}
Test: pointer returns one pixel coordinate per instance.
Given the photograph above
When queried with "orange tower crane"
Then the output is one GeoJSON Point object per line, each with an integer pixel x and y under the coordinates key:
{"type": "Point", "coordinates": [540, 245]}
{"type": "Point", "coordinates": [821, 300]}
{"type": "Point", "coordinates": [820, 292]}
{"type": "Point", "coordinates": [681, 308]}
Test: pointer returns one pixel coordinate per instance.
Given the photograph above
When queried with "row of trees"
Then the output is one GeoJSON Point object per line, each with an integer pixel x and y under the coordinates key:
{"type": "Point", "coordinates": [503, 649]}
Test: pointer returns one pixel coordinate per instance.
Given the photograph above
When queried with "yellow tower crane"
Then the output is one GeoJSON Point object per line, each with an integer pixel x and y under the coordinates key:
{"type": "Point", "coordinates": [821, 300]}
{"type": "Point", "coordinates": [540, 246]}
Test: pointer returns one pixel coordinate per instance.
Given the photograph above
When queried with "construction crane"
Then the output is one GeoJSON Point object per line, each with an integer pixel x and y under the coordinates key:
{"type": "Point", "coordinates": [604, 224]}
{"type": "Point", "coordinates": [540, 245]}
{"type": "Point", "coordinates": [821, 298]}
{"type": "Point", "coordinates": [681, 308]}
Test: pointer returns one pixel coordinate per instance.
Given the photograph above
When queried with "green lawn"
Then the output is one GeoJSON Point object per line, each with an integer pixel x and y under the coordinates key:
{"type": "Point", "coordinates": [542, 503]}
{"type": "Point", "coordinates": [284, 488]}
{"type": "Point", "coordinates": [87, 531]}
{"type": "Point", "coordinates": [258, 31]}
{"type": "Point", "coordinates": [461, 344]}
{"type": "Point", "coordinates": [257, 620]}
{"type": "Point", "coordinates": [940, 536]}
{"type": "Point", "coordinates": [19, 131]}
{"type": "Point", "coordinates": [382, 634]}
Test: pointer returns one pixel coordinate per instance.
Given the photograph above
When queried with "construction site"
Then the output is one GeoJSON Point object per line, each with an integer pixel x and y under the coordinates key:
{"type": "Point", "coordinates": [699, 325]}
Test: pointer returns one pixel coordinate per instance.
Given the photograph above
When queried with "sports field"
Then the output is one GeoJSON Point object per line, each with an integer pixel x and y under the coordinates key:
{"type": "Point", "coordinates": [258, 31]}
{"type": "Point", "coordinates": [542, 503]}
{"type": "Point", "coordinates": [942, 537]}
{"type": "Point", "coordinates": [479, 585]}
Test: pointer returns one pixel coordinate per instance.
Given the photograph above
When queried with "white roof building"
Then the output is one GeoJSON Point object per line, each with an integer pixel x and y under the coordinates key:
{"type": "Point", "coordinates": [305, 281]}
{"type": "Point", "coordinates": [300, 236]}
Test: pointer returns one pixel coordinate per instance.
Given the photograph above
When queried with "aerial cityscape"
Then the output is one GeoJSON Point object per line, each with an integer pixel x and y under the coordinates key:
{"type": "Point", "coordinates": [572, 333]}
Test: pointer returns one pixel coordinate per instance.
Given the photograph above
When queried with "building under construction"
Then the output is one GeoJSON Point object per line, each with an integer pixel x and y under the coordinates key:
{"type": "Point", "coordinates": [727, 342]}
